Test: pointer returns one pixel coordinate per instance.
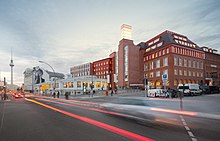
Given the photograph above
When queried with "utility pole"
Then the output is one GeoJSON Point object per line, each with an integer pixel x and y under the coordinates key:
{"type": "Point", "coordinates": [5, 95]}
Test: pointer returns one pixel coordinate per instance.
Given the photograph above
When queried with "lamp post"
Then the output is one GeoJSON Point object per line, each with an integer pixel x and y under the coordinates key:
{"type": "Point", "coordinates": [53, 72]}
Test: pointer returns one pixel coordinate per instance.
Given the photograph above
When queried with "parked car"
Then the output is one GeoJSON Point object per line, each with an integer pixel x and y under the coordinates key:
{"type": "Point", "coordinates": [189, 89]}
{"type": "Point", "coordinates": [210, 89]}
{"type": "Point", "coordinates": [173, 92]}
{"type": "Point", "coordinates": [205, 89]}
{"type": "Point", "coordinates": [158, 93]}
{"type": "Point", "coordinates": [214, 89]}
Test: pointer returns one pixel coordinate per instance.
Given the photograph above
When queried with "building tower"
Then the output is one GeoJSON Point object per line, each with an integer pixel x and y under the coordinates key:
{"type": "Point", "coordinates": [126, 31]}
{"type": "Point", "coordinates": [11, 65]}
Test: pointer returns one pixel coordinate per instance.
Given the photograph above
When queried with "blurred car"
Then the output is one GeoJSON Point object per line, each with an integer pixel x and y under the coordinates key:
{"type": "Point", "coordinates": [210, 89]}
{"type": "Point", "coordinates": [17, 95]}
{"type": "Point", "coordinates": [138, 108]}
{"type": "Point", "coordinates": [173, 92]}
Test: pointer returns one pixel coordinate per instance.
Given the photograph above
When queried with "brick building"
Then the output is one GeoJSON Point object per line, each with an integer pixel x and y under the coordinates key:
{"type": "Point", "coordinates": [103, 69]}
{"type": "Point", "coordinates": [82, 70]}
{"type": "Point", "coordinates": [176, 56]}
{"type": "Point", "coordinates": [130, 64]}
{"type": "Point", "coordinates": [211, 67]}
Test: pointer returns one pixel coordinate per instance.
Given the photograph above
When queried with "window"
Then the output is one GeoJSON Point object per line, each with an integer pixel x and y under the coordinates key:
{"type": "Point", "coordinates": [64, 84]}
{"type": "Point", "coordinates": [189, 63]}
{"type": "Point", "coordinates": [165, 71]}
{"type": "Point", "coordinates": [152, 56]}
{"type": "Point", "coordinates": [163, 52]}
{"type": "Point", "coordinates": [70, 84]}
{"type": "Point", "coordinates": [201, 65]}
{"type": "Point", "coordinates": [159, 54]}
{"type": "Point", "coordinates": [175, 61]}
{"type": "Point", "coordinates": [157, 73]}
{"type": "Point", "coordinates": [152, 65]}
{"type": "Point", "coordinates": [156, 40]}
{"type": "Point", "coordinates": [78, 84]}
{"type": "Point", "coordinates": [180, 72]}
{"type": "Point", "coordinates": [165, 61]}
{"type": "Point", "coordinates": [198, 65]}
{"type": "Point", "coordinates": [146, 67]}
{"type": "Point", "coordinates": [189, 73]}
{"type": "Point", "coordinates": [201, 74]}
{"type": "Point", "coordinates": [98, 84]}
{"type": "Point", "coordinates": [185, 63]}
{"type": "Point", "coordinates": [197, 74]}
{"type": "Point", "coordinates": [159, 44]}
{"type": "Point", "coordinates": [194, 63]}
{"type": "Point", "coordinates": [151, 74]}
{"type": "Point", "coordinates": [156, 54]}
{"type": "Point", "coordinates": [173, 49]}
{"type": "Point", "coordinates": [158, 64]}
{"type": "Point", "coordinates": [175, 72]}
{"type": "Point", "coordinates": [194, 74]}
{"type": "Point", "coordinates": [185, 73]}
{"type": "Point", "coordinates": [167, 50]}
{"type": "Point", "coordinates": [180, 61]}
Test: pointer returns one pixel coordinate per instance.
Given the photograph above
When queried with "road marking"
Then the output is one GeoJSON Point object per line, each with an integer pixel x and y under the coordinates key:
{"type": "Point", "coordinates": [194, 139]}
{"type": "Point", "coordinates": [188, 129]}
{"type": "Point", "coordinates": [190, 134]}
{"type": "Point", "coordinates": [184, 123]}
{"type": "Point", "coordinates": [110, 128]}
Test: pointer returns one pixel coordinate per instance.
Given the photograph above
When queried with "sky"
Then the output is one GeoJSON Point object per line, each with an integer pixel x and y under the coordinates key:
{"type": "Point", "coordinates": [65, 33]}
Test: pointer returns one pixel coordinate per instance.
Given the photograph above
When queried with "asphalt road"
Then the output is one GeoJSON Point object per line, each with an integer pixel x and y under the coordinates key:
{"type": "Point", "coordinates": [73, 120]}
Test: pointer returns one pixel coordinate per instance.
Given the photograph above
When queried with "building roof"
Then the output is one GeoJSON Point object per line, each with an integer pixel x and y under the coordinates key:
{"type": "Point", "coordinates": [168, 37]}
{"type": "Point", "coordinates": [55, 74]}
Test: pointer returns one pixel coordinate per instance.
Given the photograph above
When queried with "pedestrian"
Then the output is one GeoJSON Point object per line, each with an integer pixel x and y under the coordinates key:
{"type": "Point", "coordinates": [54, 94]}
{"type": "Point", "coordinates": [58, 94]}
{"type": "Point", "coordinates": [66, 95]}
{"type": "Point", "coordinates": [115, 90]}
{"type": "Point", "coordinates": [75, 93]}
{"type": "Point", "coordinates": [112, 92]}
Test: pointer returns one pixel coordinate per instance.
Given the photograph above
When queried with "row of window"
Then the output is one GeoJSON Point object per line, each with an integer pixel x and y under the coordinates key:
{"type": "Point", "coordinates": [102, 73]}
{"type": "Point", "coordinates": [102, 68]}
{"type": "Point", "coordinates": [81, 74]}
{"type": "Point", "coordinates": [188, 52]}
{"type": "Point", "coordinates": [158, 73]}
{"type": "Point", "coordinates": [80, 70]}
{"type": "Point", "coordinates": [190, 73]}
{"type": "Point", "coordinates": [157, 54]}
{"type": "Point", "coordinates": [81, 66]}
{"type": "Point", "coordinates": [185, 43]}
{"type": "Point", "coordinates": [176, 82]}
{"type": "Point", "coordinates": [154, 41]}
{"type": "Point", "coordinates": [180, 37]}
{"type": "Point", "coordinates": [101, 64]}
{"type": "Point", "coordinates": [151, 65]}
{"type": "Point", "coordinates": [80, 84]}
{"type": "Point", "coordinates": [178, 61]}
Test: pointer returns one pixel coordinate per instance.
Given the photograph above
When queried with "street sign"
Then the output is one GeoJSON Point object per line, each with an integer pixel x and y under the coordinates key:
{"type": "Point", "coordinates": [164, 77]}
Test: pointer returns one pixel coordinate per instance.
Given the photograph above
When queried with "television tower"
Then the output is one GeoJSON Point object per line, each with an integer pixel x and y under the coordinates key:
{"type": "Point", "coordinates": [11, 65]}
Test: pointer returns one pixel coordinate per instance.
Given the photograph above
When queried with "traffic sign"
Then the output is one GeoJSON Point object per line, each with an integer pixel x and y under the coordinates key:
{"type": "Point", "coordinates": [164, 77]}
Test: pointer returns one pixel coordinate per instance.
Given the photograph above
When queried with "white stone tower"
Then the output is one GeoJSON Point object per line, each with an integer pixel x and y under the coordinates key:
{"type": "Point", "coordinates": [11, 65]}
{"type": "Point", "coordinates": [126, 31]}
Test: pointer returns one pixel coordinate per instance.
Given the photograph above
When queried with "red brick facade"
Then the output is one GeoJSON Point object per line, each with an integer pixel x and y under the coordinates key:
{"type": "Point", "coordinates": [175, 55]}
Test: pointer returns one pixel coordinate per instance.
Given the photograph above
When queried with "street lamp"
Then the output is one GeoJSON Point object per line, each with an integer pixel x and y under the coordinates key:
{"type": "Point", "coordinates": [52, 69]}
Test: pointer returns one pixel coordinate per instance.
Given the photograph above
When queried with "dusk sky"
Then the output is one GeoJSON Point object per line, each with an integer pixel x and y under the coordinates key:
{"type": "Point", "coordinates": [65, 33]}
